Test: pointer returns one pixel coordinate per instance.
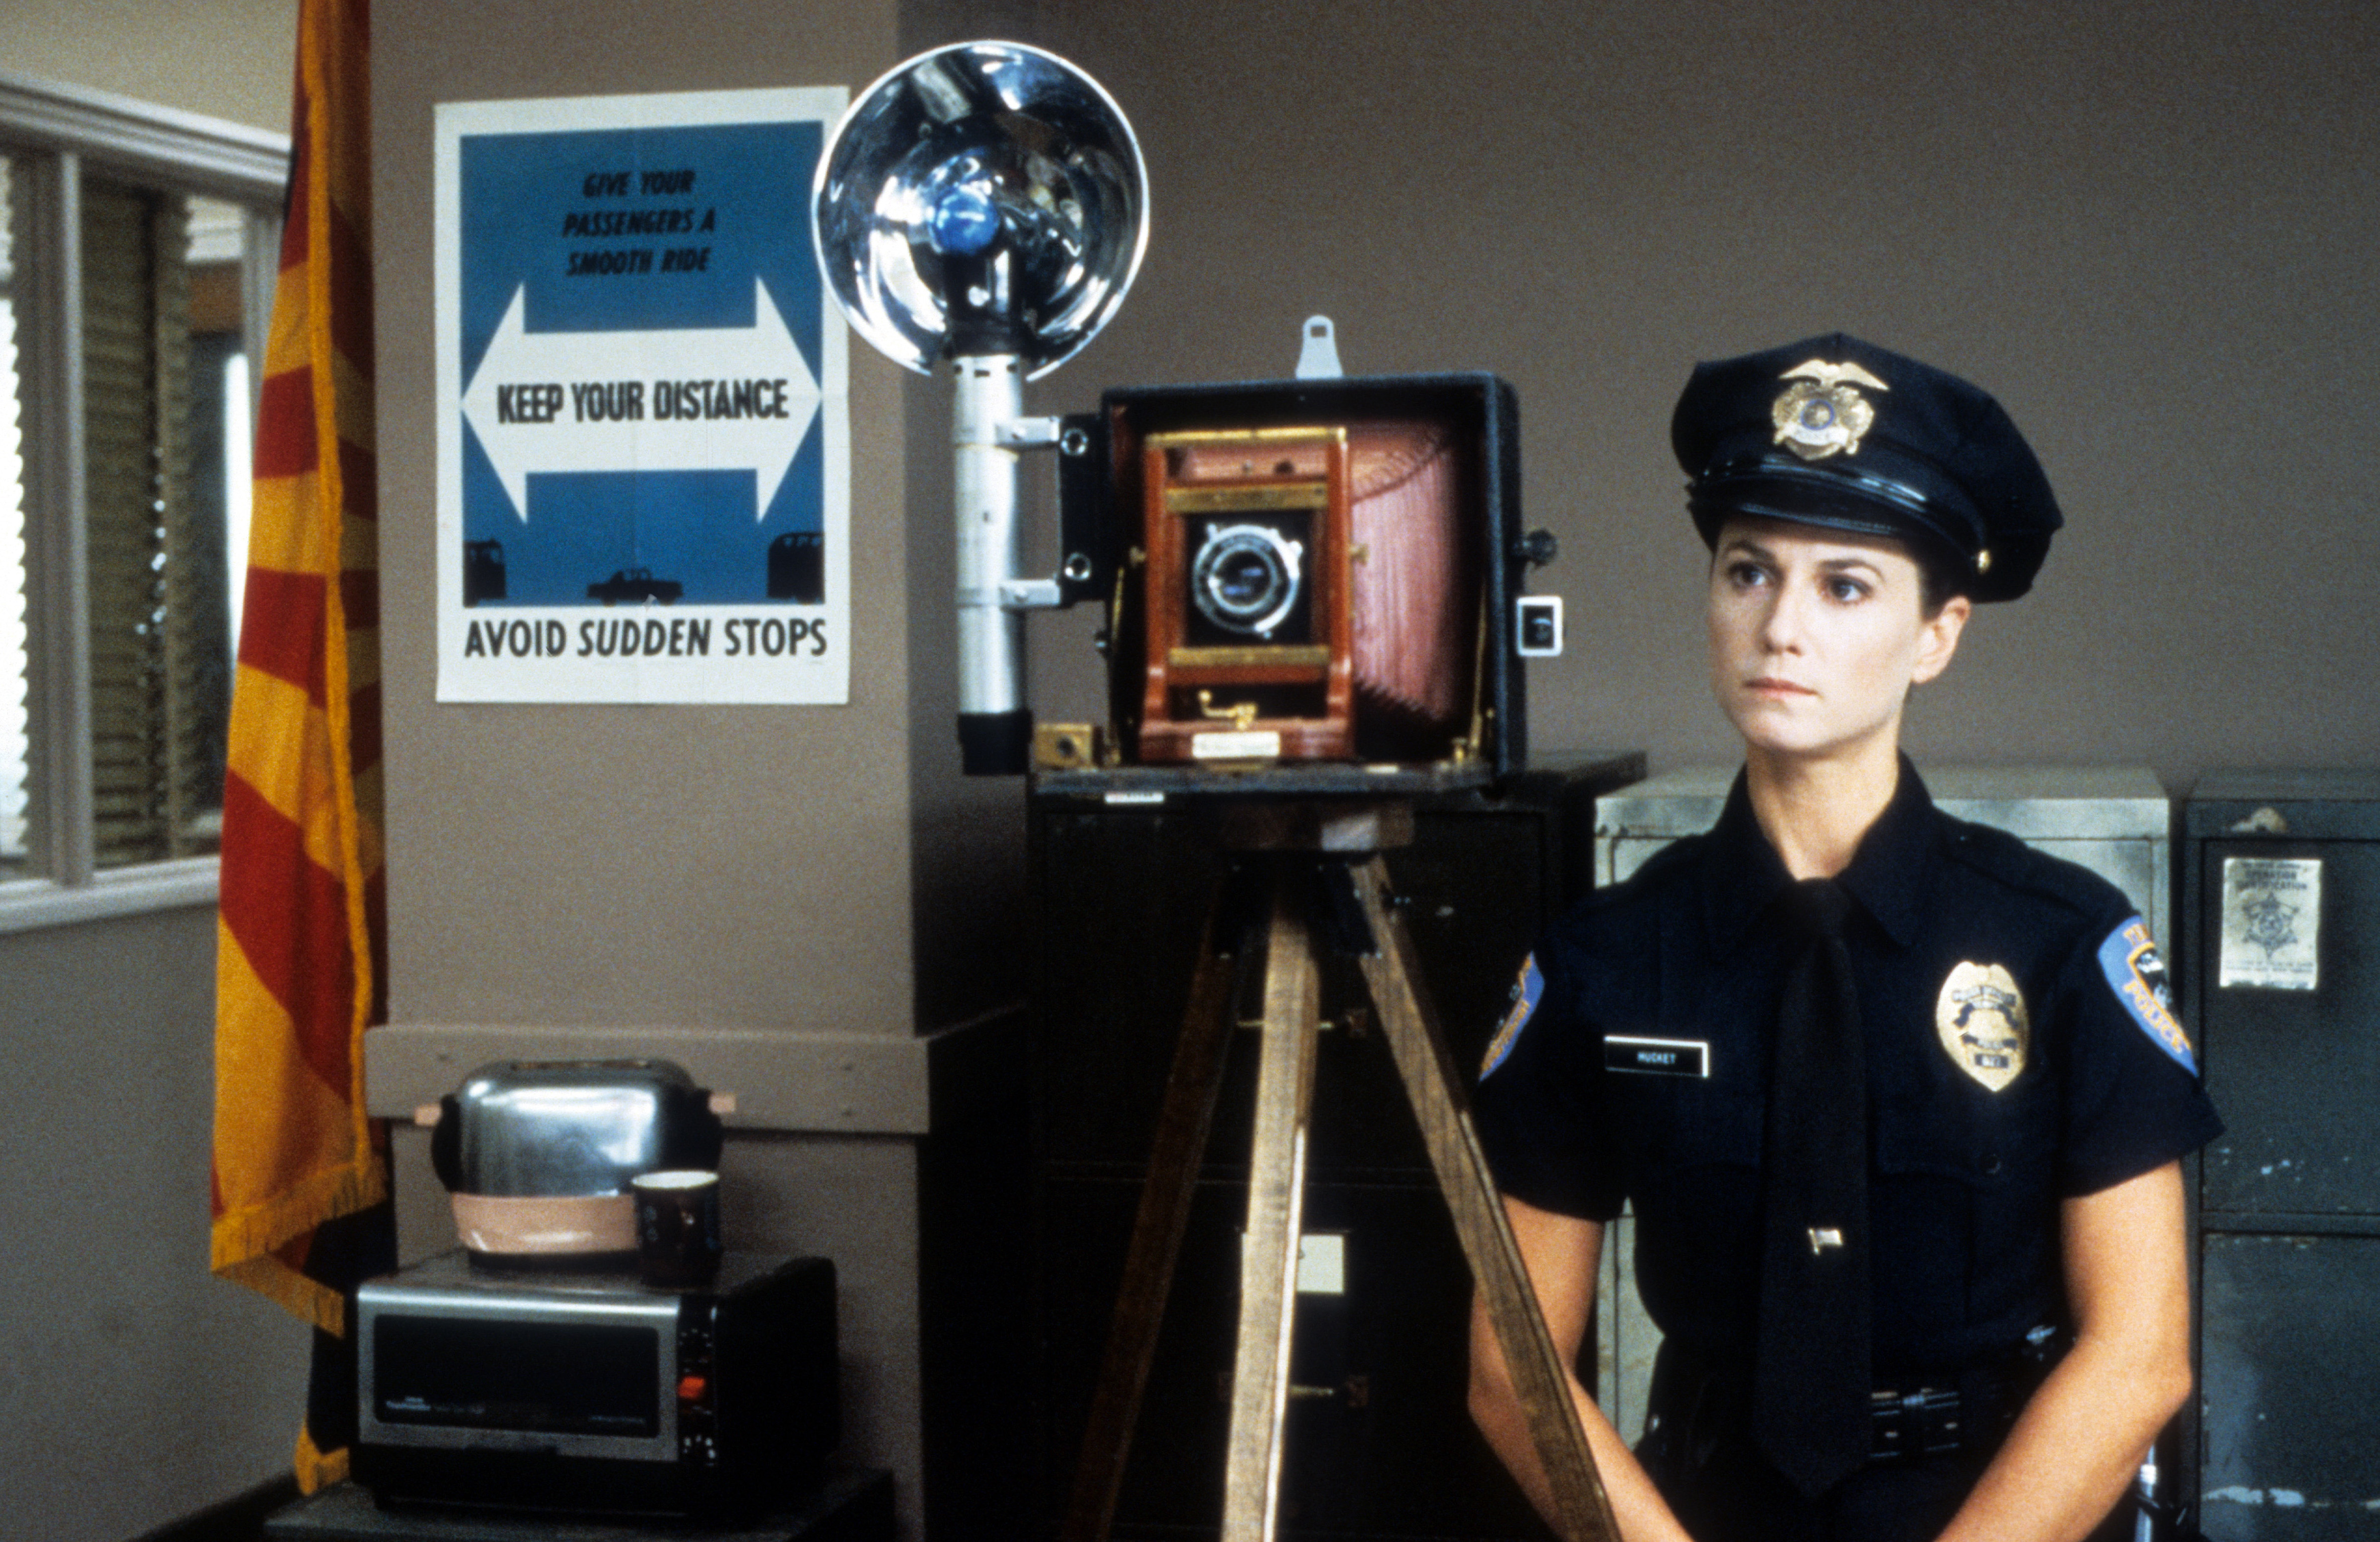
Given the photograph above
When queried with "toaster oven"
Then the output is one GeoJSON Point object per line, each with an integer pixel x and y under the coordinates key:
{"type": "Point", "coordinates": [589, 1392]}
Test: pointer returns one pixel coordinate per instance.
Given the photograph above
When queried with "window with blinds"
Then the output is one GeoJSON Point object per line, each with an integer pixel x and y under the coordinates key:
{"type": "Point", "coordinates": [136, 251]}
{"type": "Point", "coordinates": [14, 746]}
{"type": "Point", "coordinates": [159, 675]}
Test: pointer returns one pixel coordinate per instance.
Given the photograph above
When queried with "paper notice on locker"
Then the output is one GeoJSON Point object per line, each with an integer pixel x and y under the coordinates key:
{"type": "Point", "coordinates": [2272, 922]}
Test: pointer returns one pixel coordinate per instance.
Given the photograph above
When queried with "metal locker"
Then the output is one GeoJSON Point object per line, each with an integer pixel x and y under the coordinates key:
{"type": "Point", "coordinates": [2113, 820]}
{"type": "Point", "coordinates": [2281, 986]}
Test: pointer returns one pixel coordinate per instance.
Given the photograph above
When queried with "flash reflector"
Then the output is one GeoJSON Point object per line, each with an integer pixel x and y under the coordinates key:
{"type": "Point", "coordinates": [985, 198]}
{"type": "Point", "coordinates": [985, 204]}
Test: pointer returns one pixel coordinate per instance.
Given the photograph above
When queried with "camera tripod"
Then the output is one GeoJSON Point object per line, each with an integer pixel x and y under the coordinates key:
{"type": "Point", "coordinates": [1324, 886]}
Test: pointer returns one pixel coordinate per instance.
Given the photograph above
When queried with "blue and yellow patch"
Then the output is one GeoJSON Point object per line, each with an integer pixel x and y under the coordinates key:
{"type": "Point", "coordinates": [2135, 971]}
{"type": "Point", "coordinates": [1527, 992]}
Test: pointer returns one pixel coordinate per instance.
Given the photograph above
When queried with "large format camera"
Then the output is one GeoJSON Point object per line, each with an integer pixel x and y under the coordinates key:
{"type": "Point", "coordinates": [1302, 571]}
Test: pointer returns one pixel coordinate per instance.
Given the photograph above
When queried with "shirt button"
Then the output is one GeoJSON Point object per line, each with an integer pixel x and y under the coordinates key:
{"type": "Point", "coordinates": [1991, 1167]}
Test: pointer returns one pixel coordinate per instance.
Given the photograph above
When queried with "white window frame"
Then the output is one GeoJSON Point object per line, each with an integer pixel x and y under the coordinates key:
{"type": "Point", "coordinates": [56, 132]}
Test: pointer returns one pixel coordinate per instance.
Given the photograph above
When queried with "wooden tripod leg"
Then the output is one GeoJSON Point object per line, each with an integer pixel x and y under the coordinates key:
{"type": "Point", "coordinates": [1434, 1088]}
{"type": "Point", "coordinates": [1183, 1122]}
{"type": "Point", "coordinates": [1293, 1010]}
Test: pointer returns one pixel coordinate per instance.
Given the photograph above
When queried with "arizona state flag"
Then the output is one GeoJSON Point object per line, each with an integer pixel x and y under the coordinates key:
{"type": "Point", "coordinates": [300, 1192]}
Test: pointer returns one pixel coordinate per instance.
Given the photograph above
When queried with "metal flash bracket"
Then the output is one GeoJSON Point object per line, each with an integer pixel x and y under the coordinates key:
{"type": "Point", "coordinates": [1078, 576]}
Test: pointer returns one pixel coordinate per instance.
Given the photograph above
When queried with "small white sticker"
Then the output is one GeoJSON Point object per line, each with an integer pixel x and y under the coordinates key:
{"type": "Point", "coordinates": [1126, 799]}
{"type": "Point", "coordinates": [2272, 922]}
{"type": "Point", "coordinates": [1322, 1264]}
{"type": "Point", "coordinates": [1255, 744]}
{"type": "Point", "coordinates": [1537, 626]}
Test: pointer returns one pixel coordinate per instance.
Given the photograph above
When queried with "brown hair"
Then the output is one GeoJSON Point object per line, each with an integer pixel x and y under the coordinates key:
{"type": "Point", "coordinates": [1936, 580]}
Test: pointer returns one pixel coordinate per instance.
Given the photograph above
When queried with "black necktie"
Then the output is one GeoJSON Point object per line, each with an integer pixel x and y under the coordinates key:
{"type": "Point", "coordinates": [1811, 1379]}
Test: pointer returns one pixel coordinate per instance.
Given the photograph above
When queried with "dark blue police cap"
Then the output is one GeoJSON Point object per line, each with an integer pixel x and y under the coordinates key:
{"type": "Point", "coordinates": [1839, 432]}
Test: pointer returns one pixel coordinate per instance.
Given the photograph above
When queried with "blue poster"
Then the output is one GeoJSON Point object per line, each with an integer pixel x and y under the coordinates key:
{"type": "Point", "coordinates": [644, 455]}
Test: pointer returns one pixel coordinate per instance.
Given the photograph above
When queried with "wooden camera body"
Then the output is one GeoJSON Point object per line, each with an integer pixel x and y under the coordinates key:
{"type": "Point", "coordinates": [1310, 571]}
{"type": "Point", "coordinates": [1250, 639]}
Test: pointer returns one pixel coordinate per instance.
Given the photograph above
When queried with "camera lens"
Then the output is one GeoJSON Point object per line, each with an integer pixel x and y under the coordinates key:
{"type": "Point", "coordinates": [1245, 578]}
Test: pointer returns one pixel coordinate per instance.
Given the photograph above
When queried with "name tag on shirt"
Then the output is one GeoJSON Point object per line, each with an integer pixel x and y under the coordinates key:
{"type": "Point", "coordinates": [1656, 1057]}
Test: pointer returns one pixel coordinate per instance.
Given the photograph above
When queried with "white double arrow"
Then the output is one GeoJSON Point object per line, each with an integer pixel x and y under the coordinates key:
{"type": "Point", "coordinates": [553, 433]}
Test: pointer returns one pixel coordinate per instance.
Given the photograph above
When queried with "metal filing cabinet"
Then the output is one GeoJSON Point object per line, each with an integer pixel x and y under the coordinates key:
{"type": "Point", "coordinates": [2113, 820]}
{"type": "Point", "coordinates": [2281, 987]}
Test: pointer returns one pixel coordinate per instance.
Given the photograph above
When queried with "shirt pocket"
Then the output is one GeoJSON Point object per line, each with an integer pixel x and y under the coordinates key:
{"type": "Point", "coordinates": [1966, 1220]}
{"type": "Point", "coordinates": [1679, 1124]}
{"type": "Point", "coordinates": [1695, 1187]}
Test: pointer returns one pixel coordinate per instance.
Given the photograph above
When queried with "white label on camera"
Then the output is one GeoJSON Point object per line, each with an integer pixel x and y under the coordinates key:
{"type": "Point", "coordinates": [1538, 627]}
{"type": "Point", "coordinates": [1255, 744]}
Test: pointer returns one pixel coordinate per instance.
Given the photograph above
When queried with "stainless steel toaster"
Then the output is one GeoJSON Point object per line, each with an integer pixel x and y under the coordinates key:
{"type": "Point", "coordinates": [538, 1154]}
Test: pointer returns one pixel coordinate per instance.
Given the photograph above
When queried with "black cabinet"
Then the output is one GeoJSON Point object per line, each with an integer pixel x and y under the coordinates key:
{"type": "Point", "coordinates": [1379, 1443]}
{"type": "Point", "coordinates": [2281, 984]}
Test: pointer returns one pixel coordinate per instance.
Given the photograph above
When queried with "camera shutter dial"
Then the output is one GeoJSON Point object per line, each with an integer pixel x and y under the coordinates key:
{"type": "Point", "coordinates": [1245, 578]}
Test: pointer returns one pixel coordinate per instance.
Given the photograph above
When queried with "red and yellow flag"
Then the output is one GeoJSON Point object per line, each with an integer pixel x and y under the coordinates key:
{"type": "Point", "coordinates": [300, 1169]}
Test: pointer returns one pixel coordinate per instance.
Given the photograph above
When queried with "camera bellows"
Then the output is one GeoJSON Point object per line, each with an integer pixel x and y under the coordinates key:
{"type": "Point", "coordinates": [1414, 601]}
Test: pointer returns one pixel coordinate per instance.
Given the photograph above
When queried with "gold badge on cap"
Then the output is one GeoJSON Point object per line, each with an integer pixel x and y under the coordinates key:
{"type": "Point", "coordinates": [1980, 1015]}
{"type": "Point", "coordinates": [1822, 412]}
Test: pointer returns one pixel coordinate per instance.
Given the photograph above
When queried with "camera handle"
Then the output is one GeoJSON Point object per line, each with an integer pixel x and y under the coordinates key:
{"type": "Point", "coordinates": [1314, 879]}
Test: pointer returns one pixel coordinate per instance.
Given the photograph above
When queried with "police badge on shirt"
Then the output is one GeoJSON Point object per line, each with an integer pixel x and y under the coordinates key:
{"type": "Point", "coordinates": [1980, 1017]}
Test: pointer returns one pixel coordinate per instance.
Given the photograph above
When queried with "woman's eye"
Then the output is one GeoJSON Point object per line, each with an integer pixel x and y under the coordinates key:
{"type": "Point", "coordinates": [1743, 575]}
{"type": "Point", "coordinates": [1846, 590]}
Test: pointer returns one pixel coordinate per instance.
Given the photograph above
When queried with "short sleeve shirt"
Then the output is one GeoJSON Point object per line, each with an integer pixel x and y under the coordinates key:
{"type": "Point", "coordinates": [2020, 1051]}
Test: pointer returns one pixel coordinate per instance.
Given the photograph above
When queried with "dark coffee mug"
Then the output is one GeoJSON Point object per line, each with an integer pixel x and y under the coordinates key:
{"type": "Point", "coordinates": [677, 1227]}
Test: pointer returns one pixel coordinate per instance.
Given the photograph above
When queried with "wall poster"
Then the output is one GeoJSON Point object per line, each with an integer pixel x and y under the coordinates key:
{"type": "Point", "coordinates": [643, 435]}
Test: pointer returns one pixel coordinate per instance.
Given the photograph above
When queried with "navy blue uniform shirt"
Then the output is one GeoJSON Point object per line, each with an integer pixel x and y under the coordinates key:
{"type": "Point", "coordinates": [2020, 1051]}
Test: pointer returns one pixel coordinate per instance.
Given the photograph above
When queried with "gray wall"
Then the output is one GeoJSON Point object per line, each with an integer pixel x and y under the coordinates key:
{"type": "Point", "coordinates": [134, 1386]}
{"type": "Point", "coordinates": [226, 59]}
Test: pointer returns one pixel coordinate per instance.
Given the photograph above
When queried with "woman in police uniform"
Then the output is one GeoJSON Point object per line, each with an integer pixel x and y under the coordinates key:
{"type": "Point", "coordinates": [1898, 1101]}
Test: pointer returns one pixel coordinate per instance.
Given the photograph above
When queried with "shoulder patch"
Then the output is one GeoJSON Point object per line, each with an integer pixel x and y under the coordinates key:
{"type": "Point", "coordinates": [2135, 971]}
{"type": "Point", "coordinates": [1527, 992]}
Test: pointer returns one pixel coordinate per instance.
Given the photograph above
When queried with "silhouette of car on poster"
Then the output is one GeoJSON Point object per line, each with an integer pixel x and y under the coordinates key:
{"type": "Point", "coordinates": [483, 572]}
{"type": "Point", "coordinates": [797, 568]}
{"type": "Point", "coordinates": [637, 585]}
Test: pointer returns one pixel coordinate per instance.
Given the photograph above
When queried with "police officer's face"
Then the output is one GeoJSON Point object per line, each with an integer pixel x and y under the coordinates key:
{"type": "Point", "coordinates": [1816, 636]}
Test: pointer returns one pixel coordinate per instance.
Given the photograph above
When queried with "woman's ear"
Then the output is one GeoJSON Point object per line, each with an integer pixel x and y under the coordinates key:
{"type": "Point", "coordinates": [1937, 638]}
